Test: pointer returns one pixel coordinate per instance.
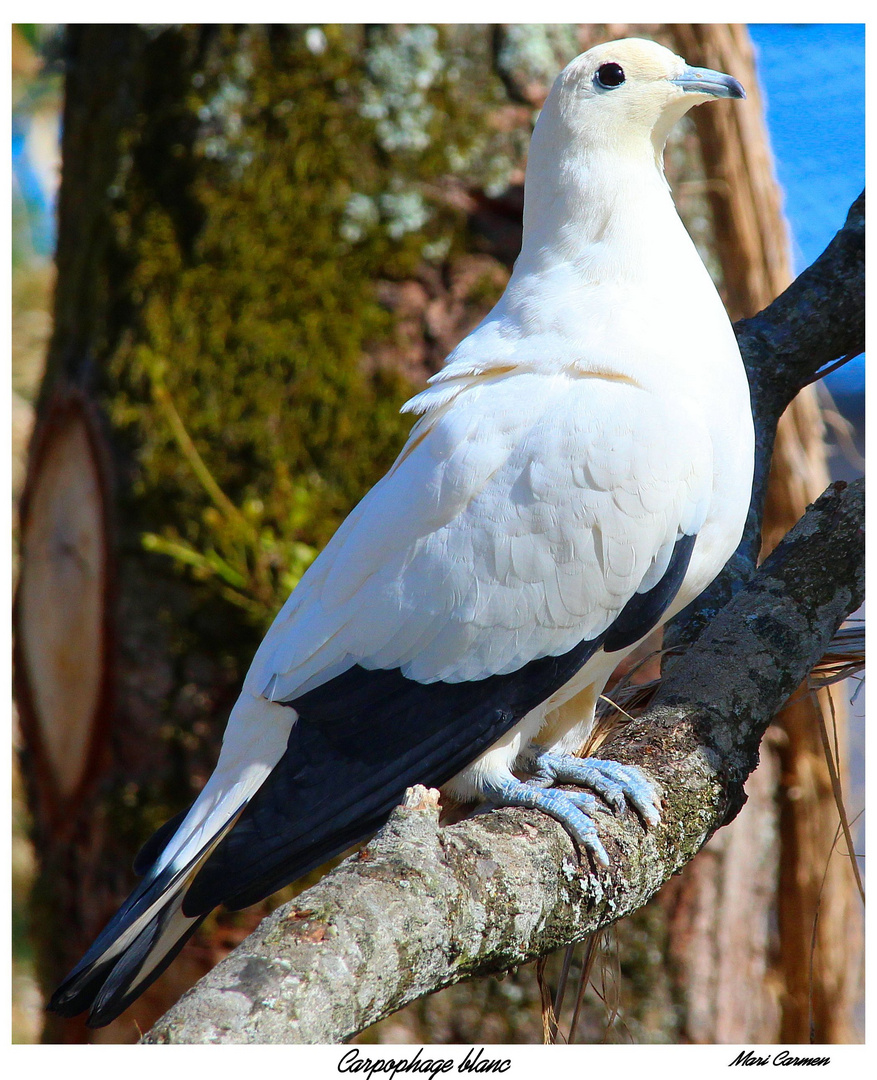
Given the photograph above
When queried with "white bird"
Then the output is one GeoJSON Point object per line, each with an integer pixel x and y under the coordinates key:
{"type": "Point", "coordinates": [580, 471]}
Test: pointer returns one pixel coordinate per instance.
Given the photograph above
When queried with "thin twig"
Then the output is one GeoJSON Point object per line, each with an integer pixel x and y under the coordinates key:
{"type": "Point", "coordinates": [184, 440]}
{"type": "Point", "coordinates": [591, 947]}
{"type": "Point", "coordinates": [838, 793]}
{"type": "Point", "coordinates": [549, 1019]}
{"type": "Point", "coordinates": [564, 975]}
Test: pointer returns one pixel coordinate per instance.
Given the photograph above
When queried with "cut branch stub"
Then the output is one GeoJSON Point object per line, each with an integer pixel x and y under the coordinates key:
{"type": "Point", "coordinates": [62, 609]}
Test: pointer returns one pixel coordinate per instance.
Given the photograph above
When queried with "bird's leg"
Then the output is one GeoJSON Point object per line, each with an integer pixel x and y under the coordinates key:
{"type": "Point", "coordinates": [570, 808]}
{"type": "Point", "coordinates": [615, 783]}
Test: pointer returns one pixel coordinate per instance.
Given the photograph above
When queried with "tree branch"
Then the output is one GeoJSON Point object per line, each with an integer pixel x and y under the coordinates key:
{"type": "Point", "coordinates": [819, 318]}
{"type": "Point", "coordinates": [422, 907]}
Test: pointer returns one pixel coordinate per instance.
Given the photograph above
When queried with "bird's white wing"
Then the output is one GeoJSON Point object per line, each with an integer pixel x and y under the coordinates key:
{"type": "Point", "coordinates": [518, 521]}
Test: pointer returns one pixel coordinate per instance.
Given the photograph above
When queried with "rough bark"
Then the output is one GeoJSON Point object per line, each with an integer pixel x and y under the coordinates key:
{"type": "Point", "coordinates": [422, 907]}
{"type": "Point", "coordinates": [819, 319]}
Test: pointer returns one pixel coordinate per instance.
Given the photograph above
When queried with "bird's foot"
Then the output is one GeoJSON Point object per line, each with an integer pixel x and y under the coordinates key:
{"type": "Point", "coordinates": [616, 784]}
{"type": "Point", "coordinates": [571, 808]}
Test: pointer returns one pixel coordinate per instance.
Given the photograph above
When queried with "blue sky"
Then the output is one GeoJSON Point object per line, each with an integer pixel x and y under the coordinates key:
{"type": "Point", "coordinates": [813, 81]}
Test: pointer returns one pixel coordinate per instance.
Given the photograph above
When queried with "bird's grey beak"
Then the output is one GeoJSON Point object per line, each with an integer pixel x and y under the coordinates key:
{"type": "Point", "coordinates": [705, 81]}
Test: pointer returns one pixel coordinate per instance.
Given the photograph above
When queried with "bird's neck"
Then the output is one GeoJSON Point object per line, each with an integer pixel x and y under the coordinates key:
{"type": "Point", "coordinates": [606, 214]}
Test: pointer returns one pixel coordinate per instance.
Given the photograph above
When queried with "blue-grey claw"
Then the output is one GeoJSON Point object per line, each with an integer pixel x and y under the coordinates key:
{"type": "Point", "coordinates": [615, 783]}
{"type": "Point", "coordinates": [569, 808]}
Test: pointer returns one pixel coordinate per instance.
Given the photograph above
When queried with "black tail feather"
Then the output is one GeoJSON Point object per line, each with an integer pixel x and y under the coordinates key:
{"type": "Point", "coordinates": [146, 857]}
{"type": "Point", "coordinates": [116, 995]}
{"type": "Point", "coordinates": [78, 991]}
{"type": "Point", "coordinates": [102, 980]}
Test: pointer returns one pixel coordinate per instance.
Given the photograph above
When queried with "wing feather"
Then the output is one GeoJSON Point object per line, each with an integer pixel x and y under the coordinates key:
{"type": "Point", "coordinates": [516, 524]}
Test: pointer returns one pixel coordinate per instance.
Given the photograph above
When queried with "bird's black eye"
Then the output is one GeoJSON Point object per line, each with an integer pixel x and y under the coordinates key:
{"type": "Point", "coordinates": [609, 76]}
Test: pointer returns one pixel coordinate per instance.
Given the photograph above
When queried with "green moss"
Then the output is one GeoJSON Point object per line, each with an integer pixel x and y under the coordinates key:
{"type": "Point", "coordinates": [274, 177]}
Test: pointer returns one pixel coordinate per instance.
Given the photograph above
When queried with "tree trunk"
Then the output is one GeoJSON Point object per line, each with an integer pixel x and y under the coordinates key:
{"type": "Point", "coordinates": [262, 249]}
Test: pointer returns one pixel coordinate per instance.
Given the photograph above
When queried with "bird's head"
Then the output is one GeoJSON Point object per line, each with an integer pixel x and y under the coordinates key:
{"type": "Point", "coordinates": [624, 92]}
